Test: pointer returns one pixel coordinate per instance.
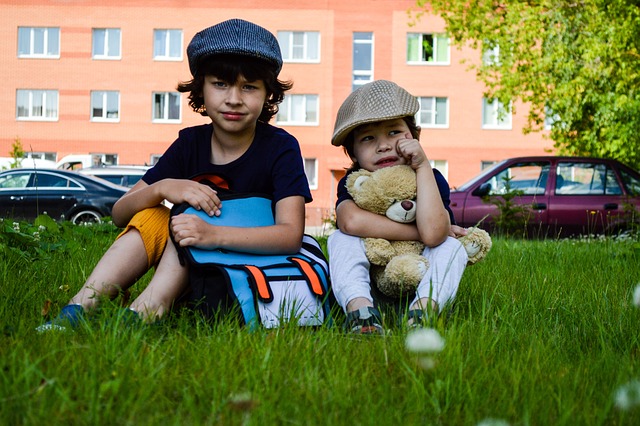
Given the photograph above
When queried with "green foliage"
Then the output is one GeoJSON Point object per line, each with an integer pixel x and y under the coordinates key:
{"type": "Point", "coordinates": [16, 153]}
{"type": "Point", "coordinates": [542, 333]}
{"type": "Point", "coordinates": [512, 217]}
{"type": "Point", "coordinates": [578, 62]}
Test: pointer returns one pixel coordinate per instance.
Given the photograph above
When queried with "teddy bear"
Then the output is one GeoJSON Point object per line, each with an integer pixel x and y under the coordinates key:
{"type": "Point", "coordinates": [397, 267]}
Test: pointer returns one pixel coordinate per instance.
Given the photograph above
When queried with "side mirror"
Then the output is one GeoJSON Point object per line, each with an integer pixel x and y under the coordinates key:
{"type": "Point", "coordinates": [482, 190]}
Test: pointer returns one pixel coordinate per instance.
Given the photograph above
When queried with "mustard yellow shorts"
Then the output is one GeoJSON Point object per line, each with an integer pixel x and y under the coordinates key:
{"type": "Point", "coordinates": [153, 226]}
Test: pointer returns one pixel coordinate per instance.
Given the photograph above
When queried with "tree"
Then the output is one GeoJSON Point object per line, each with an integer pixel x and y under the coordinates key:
{"type": "Point", "coordinates": [577, 63]}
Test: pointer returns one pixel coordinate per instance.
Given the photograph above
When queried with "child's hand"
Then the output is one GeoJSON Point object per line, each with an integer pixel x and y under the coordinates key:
{"type": "Point", "coordinates": [457, 231]}
{"type": "Point", "coordinates": [199, 196]}
{"type": "Point", "coordinates": [411, 150]}
{"type": "Point", "coordinates": [190, 230]}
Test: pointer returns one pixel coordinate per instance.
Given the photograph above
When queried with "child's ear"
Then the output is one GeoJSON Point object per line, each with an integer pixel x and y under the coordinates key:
{"type": "Point", "coordinates": [418, 130]}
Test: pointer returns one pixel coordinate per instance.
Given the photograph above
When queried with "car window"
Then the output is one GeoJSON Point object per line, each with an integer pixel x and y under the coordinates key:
{"type": "Point", "coordinates": [630, 182]}
{"type": "Point", "coordinates": [45, 180]}
{"type": "Point", "coordinates": [586, 179]}
{"type": "Point", "coordinates": [14, 180]}
{"type": "Point", "coordinates": [529, 178]}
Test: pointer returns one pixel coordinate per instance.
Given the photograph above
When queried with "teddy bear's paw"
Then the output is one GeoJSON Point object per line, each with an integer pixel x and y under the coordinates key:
{"type": "Point", "coordinates": [477, 244]}
{"type": "Point", "coordinates": [403, 274]}
{"type": "Point", "coordinates": [379, 251]}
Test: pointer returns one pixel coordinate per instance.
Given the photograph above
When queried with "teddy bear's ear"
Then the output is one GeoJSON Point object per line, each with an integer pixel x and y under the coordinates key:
{"type": "Point", "coordinates": [357, 185]}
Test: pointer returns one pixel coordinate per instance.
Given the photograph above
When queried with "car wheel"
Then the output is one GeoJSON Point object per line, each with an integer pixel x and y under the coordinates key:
{"type": "Point", "coordinates": [86, 217]}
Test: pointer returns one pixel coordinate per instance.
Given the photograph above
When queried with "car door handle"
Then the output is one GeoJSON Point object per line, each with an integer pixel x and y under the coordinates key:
{"type": "Point", "coordinates": [611, 206]}
{"type": "Point", "coordinates": [539, 206]}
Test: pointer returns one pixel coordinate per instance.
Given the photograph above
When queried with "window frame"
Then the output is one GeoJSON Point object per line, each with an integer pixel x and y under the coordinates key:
{"type": "Point", "coordinates": [288, 105]}
{"type": "Point", "coordinates": [312, 180]}
{"type": "Point", "coordinates": [104, 118]}
{"type": "Point", "coordinates": [166, 107]}
{"type": "Point", "coordinates": [288, 47]}
{"type": "Point", "coordinates": [434, 111]}
{"type": "Point", "coordinates": [30, 104]}
{"type": "Point", "coordinates": [47, 39]}
{"type": "Point", "coordinates": [496, 123]}
{"type": "Point", "coordinates": [167, 44]}
{"type": "Point", "coordinates": [361, 77]}
{"type": "Point", "coordinates": [437, 38]}
{"type": "Point", "coordinates": [109, 33]}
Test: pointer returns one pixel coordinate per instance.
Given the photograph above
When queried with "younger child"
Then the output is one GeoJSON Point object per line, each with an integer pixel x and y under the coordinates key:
{"type": "Point", "coordinates": [376, 127]}
{"type": "Point", "coordinates": [235, 67]}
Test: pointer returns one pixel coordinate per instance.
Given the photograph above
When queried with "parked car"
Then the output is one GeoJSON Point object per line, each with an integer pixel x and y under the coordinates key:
{"type": "Point", "coordinates": [120, 175]}
{"type": "Point", "coordinates": [561, 196]}
{"type": "Point", "coordinates": [63, 195]}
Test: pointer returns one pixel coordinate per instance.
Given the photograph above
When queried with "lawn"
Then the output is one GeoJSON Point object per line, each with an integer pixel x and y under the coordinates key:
{"type": "Point", "coordinates": [542, 333]}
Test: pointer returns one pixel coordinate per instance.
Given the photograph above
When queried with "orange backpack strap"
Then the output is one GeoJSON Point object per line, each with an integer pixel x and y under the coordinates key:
{"type": "Point", "coordinates": [313, 279]}
{"type": "Point", "coordinates": [259, 280]}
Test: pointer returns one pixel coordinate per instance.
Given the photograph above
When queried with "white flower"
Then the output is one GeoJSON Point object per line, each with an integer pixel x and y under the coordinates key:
{"type": "Point", "coordinates": [628, 396]}
{"type": "Point", "coordinates": [16, 226]}
{"type": "Point", "coordinates": [424, 340]}
{"type": "Point", "coordinates": [36, 236]}
{"type": "Point", "coordinates": [636, 296]}
{"type": "Point", "coordinates": [42, 228]}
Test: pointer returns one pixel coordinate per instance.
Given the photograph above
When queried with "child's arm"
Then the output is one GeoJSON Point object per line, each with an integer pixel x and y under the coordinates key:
{"type": "Point", "coordinates": [355, 221]}
{"type": "Point", "coordinates": [432, 219]}
{"type": "Point", "coordinates": [176, 191]}
{"type": "Point", "coordinates": [283, 237]}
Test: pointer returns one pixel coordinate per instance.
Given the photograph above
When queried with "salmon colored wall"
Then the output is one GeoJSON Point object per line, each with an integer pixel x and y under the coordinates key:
{"type": "Point", "coordinates": [464, 144]}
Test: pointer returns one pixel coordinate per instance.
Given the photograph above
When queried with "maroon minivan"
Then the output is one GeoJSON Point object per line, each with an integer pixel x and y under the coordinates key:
{"type": "Point", "coordinates": [563, 196]}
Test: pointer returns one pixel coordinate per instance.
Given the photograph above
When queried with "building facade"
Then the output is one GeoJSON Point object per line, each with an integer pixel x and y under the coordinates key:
{"type": "Point", "coordinates": [91, 77]}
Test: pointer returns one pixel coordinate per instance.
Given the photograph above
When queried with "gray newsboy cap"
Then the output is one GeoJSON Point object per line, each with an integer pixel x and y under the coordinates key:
{"type": "Point", "coordinates": [379, 100]}
{"type": "Point", "coordinates": [237, 37]}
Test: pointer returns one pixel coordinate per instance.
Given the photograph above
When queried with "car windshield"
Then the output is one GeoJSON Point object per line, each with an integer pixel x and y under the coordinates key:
{"type": "Point", "coordinates": [481, 176]}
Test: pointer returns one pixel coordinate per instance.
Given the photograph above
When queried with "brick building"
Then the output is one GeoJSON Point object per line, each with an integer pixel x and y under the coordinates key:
{"type": "Point", "coordinates": [93, 77]}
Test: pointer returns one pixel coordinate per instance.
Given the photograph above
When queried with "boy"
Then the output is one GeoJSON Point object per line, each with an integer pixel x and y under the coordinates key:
{"type": "Point", "coordinates": [376, 127]}
{"type": "Point", "coordinates": [235, 66]}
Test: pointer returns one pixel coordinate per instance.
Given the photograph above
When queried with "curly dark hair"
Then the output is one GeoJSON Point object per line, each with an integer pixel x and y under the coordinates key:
{"type": "Point", "coordinates": [347, 145]}
{"type": "Point", "coordinates": [229, 68]}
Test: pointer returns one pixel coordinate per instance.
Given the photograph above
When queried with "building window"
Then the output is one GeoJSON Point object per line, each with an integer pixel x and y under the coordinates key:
{"type": "Point", "coordinates": [167, 45]}
{"type": "Point", "coordinates": [434, 112]}
{"type": "Point", "coordinates": [427, 49]}
{"type": "Point", "coordinates": [485, 164]}
{"type": "Point", "coordinates": [38, 42]}
{"type": "Point", "coordinates": [298, 110]}
{"type": "Point", "coordinates": [311, 170]}
{"type": "Point", "coordinates": [153, 159]}
{"type": "Point", "coordinates": [442, 166]}
{"type": "Point", "coordinates": [37, 105]}
{"type": "Point", "coordinates": [491, 55]}
{"type": "Point", "coordinates": [299, 46]}
{"type": "Point", "coordinates": [166, 107]}
{"type": "Point", "coordinates": [362, 59]}
{"type": "Point", "coordinates": [106, 43]}
{"type": "Point", "coordinates": [105, 106]}
{"type": "Point", "coordinates": [495, 115]}
{"type": "Point", "coordinates": [49, 156]}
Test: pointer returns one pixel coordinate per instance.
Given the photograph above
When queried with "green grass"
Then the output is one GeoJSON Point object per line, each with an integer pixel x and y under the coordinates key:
{"type": "Point", "coordinates": [542, 333]}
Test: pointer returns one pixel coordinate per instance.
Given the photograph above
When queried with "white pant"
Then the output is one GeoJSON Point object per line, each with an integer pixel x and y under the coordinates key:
{"type": "Point", "coordinates": [349, 270]}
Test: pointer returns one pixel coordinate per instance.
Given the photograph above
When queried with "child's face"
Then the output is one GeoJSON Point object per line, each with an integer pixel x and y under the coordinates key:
{"type": "Point", "coordinates": [233, 107]}
{"type": "Point", "coordinates": [375, 145]}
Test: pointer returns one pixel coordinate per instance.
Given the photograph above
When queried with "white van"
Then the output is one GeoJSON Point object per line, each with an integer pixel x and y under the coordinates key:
{"type": "Point", "coordinates": [120, 175]}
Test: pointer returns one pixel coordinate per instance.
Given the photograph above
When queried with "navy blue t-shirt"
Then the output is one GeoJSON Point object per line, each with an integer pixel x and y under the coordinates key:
{"type": "Point", "coordinates": [443, 187]}
{"type": "Point", "coordinates": [272, 165]}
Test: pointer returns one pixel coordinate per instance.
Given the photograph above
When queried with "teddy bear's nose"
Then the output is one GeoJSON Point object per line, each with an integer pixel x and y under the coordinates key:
{"type": "Point", "coordinates": [407, 205]}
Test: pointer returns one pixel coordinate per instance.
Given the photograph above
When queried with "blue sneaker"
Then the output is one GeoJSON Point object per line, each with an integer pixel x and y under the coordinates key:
{"type": "Point", "coordinates": [69, 317]}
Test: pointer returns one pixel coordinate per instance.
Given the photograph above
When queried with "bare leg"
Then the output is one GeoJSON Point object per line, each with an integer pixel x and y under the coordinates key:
{"type": "Point", "coordinates": [118, 269]}
{"type": "Point", "coordinates": [169, 281]}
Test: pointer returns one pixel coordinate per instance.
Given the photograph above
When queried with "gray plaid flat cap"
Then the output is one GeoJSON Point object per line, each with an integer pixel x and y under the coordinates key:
{"type": "Point", "coordinates": [379, 100]}
{"type": "Point", "coordinates": [237, 37]}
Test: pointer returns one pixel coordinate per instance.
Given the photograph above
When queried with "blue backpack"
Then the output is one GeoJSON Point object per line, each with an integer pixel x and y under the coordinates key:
{"type": "Point", "coordinates": [270, 290]}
